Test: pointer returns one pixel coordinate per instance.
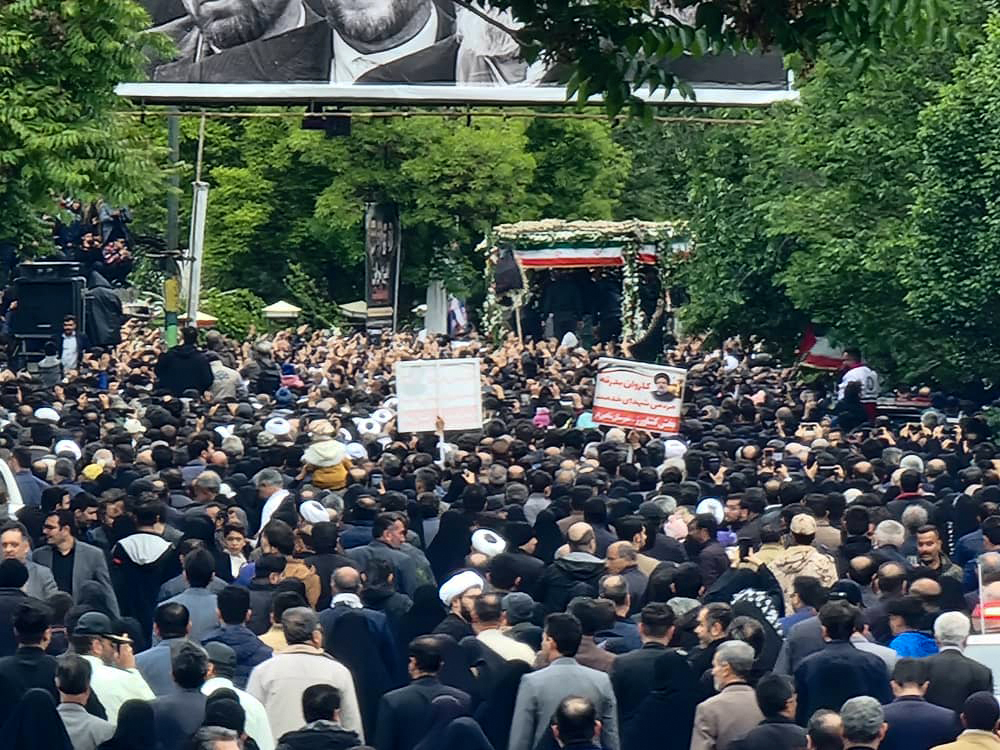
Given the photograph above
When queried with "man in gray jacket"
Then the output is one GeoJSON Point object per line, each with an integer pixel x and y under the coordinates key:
{"type": "Point", "coordinates": [73, 562]}
{"type": "Point", "coordinates": [85, 731]}
{"type": "Point", "coordinates": [541, 692]}
{"type": "Point", "coordinates": [15, 546]}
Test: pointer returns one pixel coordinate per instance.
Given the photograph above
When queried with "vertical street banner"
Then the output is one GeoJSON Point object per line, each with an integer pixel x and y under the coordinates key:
{"type": "Point", "coordinates": [430, 388]}
{"type": "Point", "coordinates": [639, 395]}
{"type": "Point", "coordinates": [382, 247]}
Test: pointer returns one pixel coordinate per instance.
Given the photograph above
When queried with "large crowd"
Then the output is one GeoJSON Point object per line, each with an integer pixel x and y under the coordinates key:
{"type": "Point", "coordinates": [229, 544]}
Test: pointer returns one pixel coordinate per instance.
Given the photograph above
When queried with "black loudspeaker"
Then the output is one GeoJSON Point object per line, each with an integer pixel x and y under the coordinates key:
{"type": "Point", "coordinates": [49, 269]}
{"type": "Point", "coordinates": [43, 303]}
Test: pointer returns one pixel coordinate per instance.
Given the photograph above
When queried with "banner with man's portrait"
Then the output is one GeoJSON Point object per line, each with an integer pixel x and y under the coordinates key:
{"type": "Point", "coordinates": [639, 395]}
{"type": "Point", "coordinates": [370, 51]}
{"type": "Point", "coordinates": [382, 247]}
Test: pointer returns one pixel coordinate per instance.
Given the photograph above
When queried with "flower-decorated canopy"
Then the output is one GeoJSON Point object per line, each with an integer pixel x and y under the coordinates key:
{"type": "Point", "coordinates": [561, 244]}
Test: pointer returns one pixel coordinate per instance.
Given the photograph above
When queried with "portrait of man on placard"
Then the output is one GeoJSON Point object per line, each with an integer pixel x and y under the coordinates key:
{"type": "Point", "coordinates": [340, 41]}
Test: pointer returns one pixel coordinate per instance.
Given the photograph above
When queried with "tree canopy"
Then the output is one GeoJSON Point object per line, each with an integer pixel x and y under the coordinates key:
{"type": "Point", "coordinates": [282, 195]}
{"type": "Point", "coordinates": [614, 47]}
{"type": "Point", "coordinates": [59, 62]}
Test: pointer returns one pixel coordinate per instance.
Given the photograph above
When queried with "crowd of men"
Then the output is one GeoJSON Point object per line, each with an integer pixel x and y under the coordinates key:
{"type": "Point", "coordinates": [233, 546]}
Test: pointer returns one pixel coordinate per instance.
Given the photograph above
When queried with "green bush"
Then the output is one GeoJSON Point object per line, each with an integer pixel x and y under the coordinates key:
{"type": "Point", "coordinates": [236, 309]}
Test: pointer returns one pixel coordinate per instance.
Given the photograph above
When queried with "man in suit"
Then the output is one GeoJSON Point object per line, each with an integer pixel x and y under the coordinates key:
{"type": "Point", "coordinates": [632, 673]}
{"type": "Point", "coordinates": [980, 714]}
{"type": "Point", "coordinates": [71, 561]}
{"type": "Point", "coordinates": [346, 589]}
{"type": "Point", "coordinates": [952, 676]}
{"type": "Point", "coordinates": [729, 716]}
{"type": "Point", "coordinates": [72, 344]}
{"type": "Point", "coordinates": [171, 624]}
{"type": "Point", "coordinates": [178, 715]}
{"type": "Point", "coordinates": [14, 545]}
{"type": "Point", "coordinates": [396, 41]}
{"type": "Point", "coordinates": [915, 724]}
{"type": "Point", "coordinates": [405, 715]}
{"type": "Point", "coordinates": [202, 605]}
{"type": "Point", "coordinates": [575, 724]}
{"type": "Point", "coordinates": [839, 672]}
{"type": "Point", "coordinates": [73, 681]}
{"type": "Point", "coordinates": [29, 667]}
{"type": "Point", "coordinates": [388, 535]}
{"type": "Point", "coordinates": [775, 695]}
{"type": "Point", "coordinates": [541, 692]}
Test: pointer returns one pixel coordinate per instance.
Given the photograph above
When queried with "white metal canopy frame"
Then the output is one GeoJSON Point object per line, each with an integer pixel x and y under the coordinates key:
{"type": "Point", "coordinates": [561, 244]}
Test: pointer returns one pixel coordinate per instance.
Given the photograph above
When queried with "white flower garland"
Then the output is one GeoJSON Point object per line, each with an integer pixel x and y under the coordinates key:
{"type": "Point", "coordinates": [548, 232]}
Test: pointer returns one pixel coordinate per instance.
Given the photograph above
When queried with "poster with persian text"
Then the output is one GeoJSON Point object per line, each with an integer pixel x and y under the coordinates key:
{"type": "Point", "coordinates": [430, 388]}
{"type": "Point", "coordinates": [638, 395]}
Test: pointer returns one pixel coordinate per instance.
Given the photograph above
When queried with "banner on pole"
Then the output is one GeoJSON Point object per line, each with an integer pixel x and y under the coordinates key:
{"type": "Point", "coordinates": [639, 395]}
{"type": "Point", "coordinates": [430, 388]}
{"type": "Point", "coordinates": [382, 245]}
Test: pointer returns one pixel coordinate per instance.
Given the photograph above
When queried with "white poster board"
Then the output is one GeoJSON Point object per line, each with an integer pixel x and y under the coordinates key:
{"type": "Point", "coordinates": [429, 388]}
{"type": "Point", "coordinates": [639, 395]}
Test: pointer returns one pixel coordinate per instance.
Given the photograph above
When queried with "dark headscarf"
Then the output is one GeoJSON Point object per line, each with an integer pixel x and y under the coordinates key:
{"type": "Point", "coordinates": [135, 727]}
{"type": "Point", "coordinates": [95, 597]}
{"type": "Point", "coordinates": [496, 712]}
{"type": "Point", "coordinates": [465, 734]}
{"type": "Point", "coordinates": [35, 724]}
{"type": "Point", "coordinates": [425, 614]}
{"type": "Point", "coordinates": [451, 544]}
{"type": "Point", "coordinates": [350, 642]}
{"type": "Point", "coordinates": [658, 584]}
{"type": "Point", "coordinates": [670, 704]}
{"type": "Point", "coordinates": [549, 536]}
{"type": "Point", "coordinates": [444, 710]}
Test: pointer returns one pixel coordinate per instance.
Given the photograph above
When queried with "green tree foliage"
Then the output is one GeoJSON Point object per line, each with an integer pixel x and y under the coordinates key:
{"type": "Point", "coordinates": [810, 214]}
{"type": "Point", "coordinates": [59, 62]}
{"type": "Point", "coordinates": [238, 310]}
{"type": "Point", "coordinates": [281, 195]}
{"type": "Point", "coordinates": [613, 47]}
{"type": "Point", "coordinates": [949, 271]}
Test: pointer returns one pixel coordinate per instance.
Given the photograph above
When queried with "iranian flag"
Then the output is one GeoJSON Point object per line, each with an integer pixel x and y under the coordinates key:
{"type": "Point", "coordinates": [816, 350]}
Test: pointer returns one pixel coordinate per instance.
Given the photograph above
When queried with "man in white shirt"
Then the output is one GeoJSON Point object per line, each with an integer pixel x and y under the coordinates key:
{"type": "Point", "coordinates": [856, 371]}
{"type": "Point", "coordinates": [487, 618]}
{"type": "Point", "coordinates": [221, 668]}
{"type": "Point", "coordinates": [270, 489]}
{"type": "Point", "coordinates": [71, 345]}
{"type": "Point", "coordinates": [114, 678]}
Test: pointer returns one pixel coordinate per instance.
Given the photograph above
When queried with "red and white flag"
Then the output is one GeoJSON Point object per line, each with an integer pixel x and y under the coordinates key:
{"type": "Point", "coordinates": [818, 351]}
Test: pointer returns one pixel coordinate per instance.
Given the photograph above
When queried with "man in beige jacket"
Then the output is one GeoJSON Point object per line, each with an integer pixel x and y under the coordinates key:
{"type": "Point", "coordinates": [802, 559]}
{"type": "Point", "coordinates": [279, 682]}
{"type": "Point", "coordinates": [729, 716]}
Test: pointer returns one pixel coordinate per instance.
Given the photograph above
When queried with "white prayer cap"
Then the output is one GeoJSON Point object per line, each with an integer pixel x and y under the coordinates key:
{"type": "Point", "coordinates": [488, 542]}
{"type": "Point", "coordinates": [314, 511]}
{"type": "Point", "coordinates": [674, 449]}
{"type": "Point", "coordinates": [68, 446]}
{"type": "Point", "coordinates": [356, 451]}
{"type": "Point", "coordinates": [47, 414]}
{"type": "Point", "coordinates": [278, 426]}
